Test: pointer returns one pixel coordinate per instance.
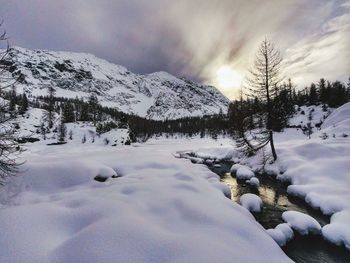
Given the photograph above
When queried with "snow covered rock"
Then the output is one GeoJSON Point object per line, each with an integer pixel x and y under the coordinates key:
{"type": "Point", "coordinates": [254, 182]}
{"type": "Point", "coordinates": [338, 231]}
{"type": "Point", "coordinates": [157, 96]}
{"type": "Point", "coordinates": [104, 173]}
{"type": "Point", "coordinates": [302, 223]}
{"type": "Point", "coordinates": [244, 173]}
{"type": "Point", "coordinates": [281, 234]}
{"type": "Point", "coordinates": [235, 167]}
{"type": "Point", "coordinates": [251, 202]}
{"type": "Point", "coordinates": [196, 160]}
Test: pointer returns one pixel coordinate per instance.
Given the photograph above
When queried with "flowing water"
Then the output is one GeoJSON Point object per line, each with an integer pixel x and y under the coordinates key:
{"type": "Point", "coordinates": [303, 249]}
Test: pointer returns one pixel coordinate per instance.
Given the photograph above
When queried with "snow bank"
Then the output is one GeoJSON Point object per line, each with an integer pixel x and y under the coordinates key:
{"type": "Point", "coordinates": [302, 223]}
{"type": "Point", "coordinates": [162, 209]}
{"type": "Point", "coordinates": [217, 153]}
{"type": "Point", "coordinates": [338, 231]}
{"type": "Point", "coordinates": [281, 234]}
{"type": "Point", "coordinates": [319, 169]}
{"type": "Point", "coordinates": [251, 202]}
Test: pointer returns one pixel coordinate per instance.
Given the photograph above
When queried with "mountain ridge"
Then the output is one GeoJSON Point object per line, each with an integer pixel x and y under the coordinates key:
{"type": "Point", "coordinates": [157, 95]}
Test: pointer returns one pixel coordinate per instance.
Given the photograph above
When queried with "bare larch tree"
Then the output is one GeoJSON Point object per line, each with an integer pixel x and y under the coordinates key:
{"type": "Point", "coordinates": [263, 83]}
{"type": "Point", "coordinates": [8, 146]}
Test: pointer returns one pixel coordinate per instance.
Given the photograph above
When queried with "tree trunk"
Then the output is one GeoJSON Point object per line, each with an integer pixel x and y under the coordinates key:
{"type": "Point", "coordinates": [273, 150]}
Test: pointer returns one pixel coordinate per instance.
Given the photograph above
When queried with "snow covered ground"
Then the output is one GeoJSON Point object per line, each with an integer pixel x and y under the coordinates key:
{"type": "Point", "coordinates": [162, 209]}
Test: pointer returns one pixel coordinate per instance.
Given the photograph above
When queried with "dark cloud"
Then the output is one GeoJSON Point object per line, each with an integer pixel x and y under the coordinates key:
{"type": "Point", "coordinates": [185, 37]}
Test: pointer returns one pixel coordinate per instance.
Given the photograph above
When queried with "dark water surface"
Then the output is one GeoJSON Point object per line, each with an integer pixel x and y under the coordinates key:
{"type": "Point", "coordinates": [303, 249]}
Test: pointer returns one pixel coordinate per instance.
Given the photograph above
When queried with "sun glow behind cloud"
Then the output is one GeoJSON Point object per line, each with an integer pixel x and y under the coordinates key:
{"type": "Point", "coordinates": [228, 78]}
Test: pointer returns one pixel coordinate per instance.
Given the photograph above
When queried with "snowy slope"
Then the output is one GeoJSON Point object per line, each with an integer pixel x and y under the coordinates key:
{"type": "Point", "coordinates": [313, 114]}
{"type": "Point", "coordinates": [29, 125]}
{"type": "Point", "coordinates": [158, 95]}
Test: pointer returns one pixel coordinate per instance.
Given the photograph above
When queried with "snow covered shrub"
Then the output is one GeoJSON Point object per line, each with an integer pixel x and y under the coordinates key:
{"type": "Point", "coordinates": [324, 136]}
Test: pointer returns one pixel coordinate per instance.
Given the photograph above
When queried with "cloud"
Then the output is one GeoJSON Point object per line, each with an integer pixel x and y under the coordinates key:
{"type": "Point", "coordinates": [191, 38]}
{"type": "Point", "coordinates": [324, 54]}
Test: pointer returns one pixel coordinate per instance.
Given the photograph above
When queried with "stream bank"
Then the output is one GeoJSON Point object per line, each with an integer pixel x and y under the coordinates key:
{"type": "Point", "coordinates": [301, 249]}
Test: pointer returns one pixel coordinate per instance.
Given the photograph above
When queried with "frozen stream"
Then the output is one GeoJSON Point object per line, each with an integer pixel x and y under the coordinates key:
{"type": "Point", "coordinates": [276, 201]}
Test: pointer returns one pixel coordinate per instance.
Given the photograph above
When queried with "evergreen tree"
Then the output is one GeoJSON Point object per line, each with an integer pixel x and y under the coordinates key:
{"type": "Point", "coordinates": [84, 112]}
{"type": "Point", "coordinates": [93, 104]}
{"type": "Point", "coordinates": [322, 90]}
{"type": "Point", "coordinates": [24, 104]}
{"type": "Point", "coordinates": [43, 130]}
{"type": "Point", "coordinates": [313, 97]}
{"type": "Point", "coordinates": [291, 91]}
{"type": "Point", "coordinates": [68, 112]}
{"type": "Point", "coordinates": [62, 131]}
{"type": "Point", "coordinates": [13, 101]}
{"type": "Point", "coordinates": [50, 114]}
{"type": "Point", "coordinates": [338, 94]}
{"type": "Point", "coordinates": [283, 108]}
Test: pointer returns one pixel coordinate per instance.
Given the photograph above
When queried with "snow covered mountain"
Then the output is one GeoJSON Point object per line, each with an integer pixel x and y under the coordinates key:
{"type": "Point", "coordinates": [157, 96]}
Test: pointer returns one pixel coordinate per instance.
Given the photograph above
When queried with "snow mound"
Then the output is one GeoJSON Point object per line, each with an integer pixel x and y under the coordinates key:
{"type": "Point", "coordinates": [244, 173]}
{"type": "Point", "coordinates": [254, 182]}
{"type": "Point", "coordinates": [251, 202]}
{"type": "Point", "coordinates": [281, 234]}
{"type": "Point", "coordinates": [302, 223]}
{"type": "Point", "coordinates": [235, 167]}
{"type": "Point", "coordinates": [338, 231]}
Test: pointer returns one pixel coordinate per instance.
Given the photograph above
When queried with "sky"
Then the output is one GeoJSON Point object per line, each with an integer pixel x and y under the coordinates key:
{"type": "Point", "coordinates": [210, 41]}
